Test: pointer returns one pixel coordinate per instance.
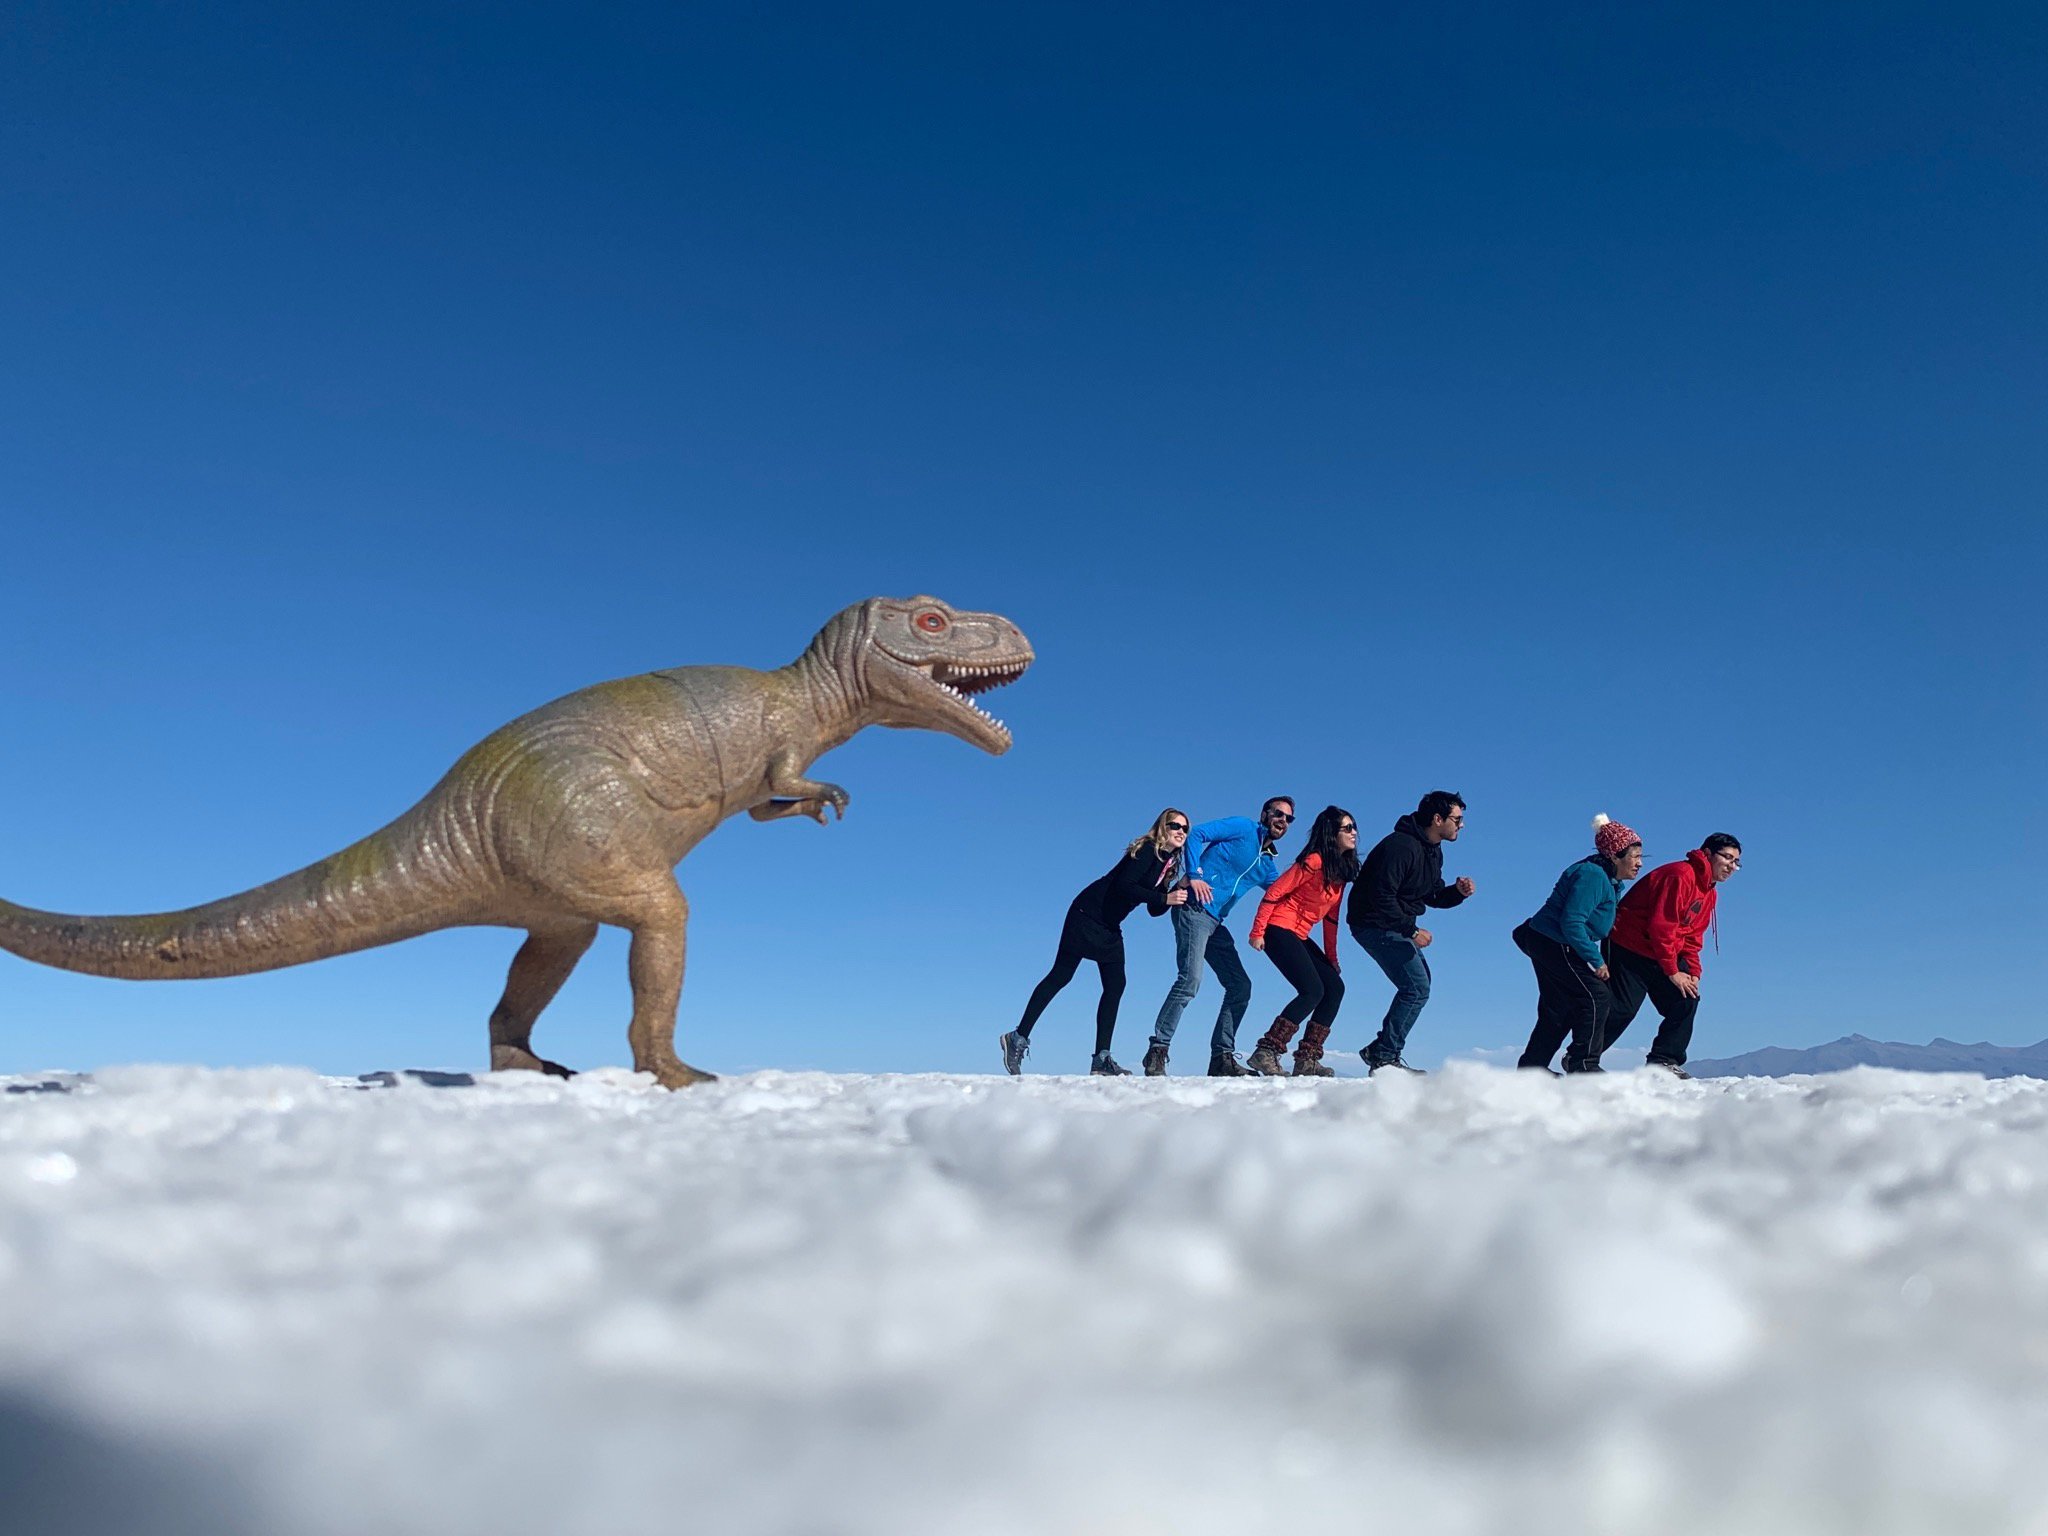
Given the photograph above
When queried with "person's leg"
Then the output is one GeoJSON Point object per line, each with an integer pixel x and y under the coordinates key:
{"type": "Point", "coordinates": [1674, 1035]}
{"type": "Point", "coordinates": [1064, 965]}
{"type": "Point", "coordinates": [1626, 989]}
{"type": "Point", "coordinates": [1191, 929]}
{"type": "Point", "coordinates": [1237, 991]}
{"type": "Point", "coordinates": [1325, 1014]}
{"type": "Point", "coordinates": [1290, 954]}
{"type": "Point", "coordinates": [1397, 955]}
{"type": "Point", "coordinates": [1112, 967]}
{"type": "Point", "coordinates": [1551, 1026]}
{"type": "Point", "coordinates": [1589, 1032]}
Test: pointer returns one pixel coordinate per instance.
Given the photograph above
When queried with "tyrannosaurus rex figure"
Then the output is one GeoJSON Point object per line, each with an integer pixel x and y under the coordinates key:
{"type": "Point", "coordinates": [577, 815]}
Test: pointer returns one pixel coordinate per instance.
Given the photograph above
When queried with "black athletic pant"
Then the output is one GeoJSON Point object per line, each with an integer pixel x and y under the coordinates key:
{"type": "Point", "coordinates": [1570, 1000]}
{"type": "Point", "coordinates": [1073, 950]}
{"type": "Point", "coordinates": [1318, 991]}
{"type": "Point", "coordinates": [1636, 977]}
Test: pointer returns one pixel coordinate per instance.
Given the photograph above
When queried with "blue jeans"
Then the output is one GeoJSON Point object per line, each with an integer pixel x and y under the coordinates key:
{"type": "Point", "coordinates": [1199, 936]}
{"type": "Point", "coordinates": [1397, 955]}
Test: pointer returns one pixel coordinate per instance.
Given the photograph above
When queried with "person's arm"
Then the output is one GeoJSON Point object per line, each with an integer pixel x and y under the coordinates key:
{"type": "Point", "coordinates": [1664, 920]}
{"type": "Point", "coordinates": [1276, 893]}
{"type": "Point", "coordinates": [1330, 933]}
{"type": "Point", "coordinates": [1689, 944]}
{"type": "Point", "coordinates": [1210, 834]}
{"type": "Point", "coordinates": [1580, 898]}
{"type": "Point", "coordinates": [1403, 860]}
{"type": "Point", "coordinates": [1448, 895]}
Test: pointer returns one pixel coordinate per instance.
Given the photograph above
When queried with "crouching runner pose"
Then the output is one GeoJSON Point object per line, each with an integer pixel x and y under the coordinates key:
{"type": "Point", "coordinates": [1308, 893]}
{"type": "Point", "coordinates": [1146, 876]}
{"type": "Point", "coordinates": [1655, 947]}
{"type": "Point", "coordinates": [1563, 942]}
{"type": "Point", "coordinates": [1225, 859]}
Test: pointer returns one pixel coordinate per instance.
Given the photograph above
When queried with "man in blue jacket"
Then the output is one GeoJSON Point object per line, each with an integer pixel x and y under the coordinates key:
{"type": "Point", "coordinates": [1226, 859]}
{"type": "Point", "coordinates": [1403, 874]}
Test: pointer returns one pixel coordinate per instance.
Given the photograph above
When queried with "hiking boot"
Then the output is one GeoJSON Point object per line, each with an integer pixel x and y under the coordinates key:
{"type": "Point", "coordinates": [1227, 1066]}
{"type": "Point", "coordinates": [1396, 1065]}
{"type": "Point", "coordinates": [1155, 1060]}
{"type": "Point", "coordinates": [1265, 1061]}
{"type": "Point", "coordinates": [1311, 1066]}
{"type": "Point", "coordinates": [1105, 1066]}
{"type": "Point", "coordinates": [1576, 1068]}
{"type": "Point", "coordinates": [1015, 1048]}
{"type": "Point", "coordinates": [1670, 1066]}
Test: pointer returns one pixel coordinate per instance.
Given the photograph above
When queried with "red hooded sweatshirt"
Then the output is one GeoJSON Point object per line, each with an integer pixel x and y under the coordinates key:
{"type": "Point", "coordinates": [1666, 911]}
{"type": "Point", "coordinates": [1297, 901]}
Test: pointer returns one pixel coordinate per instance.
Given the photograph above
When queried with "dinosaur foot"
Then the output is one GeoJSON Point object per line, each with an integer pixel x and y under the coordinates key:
{"type": "Point", "coordinates": [515, 1058]}
{"type": "Point", "coordinates": [679, 1074]}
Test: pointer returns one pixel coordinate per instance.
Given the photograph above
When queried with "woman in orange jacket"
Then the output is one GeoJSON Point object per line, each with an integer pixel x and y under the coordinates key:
{"type": "Point", "coordinates": [1308, 892]}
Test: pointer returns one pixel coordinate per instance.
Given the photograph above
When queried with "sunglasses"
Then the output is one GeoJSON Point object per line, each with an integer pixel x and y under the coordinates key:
{"type": "Point", "coordinates": [1176, 826]}
{"type": "Point", "coordinates": [1282, 815]}
{"type": "Point", "coordinates": [1347, 826]}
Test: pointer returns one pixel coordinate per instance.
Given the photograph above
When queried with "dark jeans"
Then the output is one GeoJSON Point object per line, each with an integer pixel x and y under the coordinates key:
{"type": "Point", "coordinates": [1398, 956]}
{"type": "Point", "coordinates": [1570, 1000]}
{"type": "Point", "coordinates": [1072, 951]}
{"type": "Point", "coordinates": [1198, 936]}
{"type": "Point", "coordinates": [1318, 992]}
{"type": "Point", "coordinates": [1635, 977]}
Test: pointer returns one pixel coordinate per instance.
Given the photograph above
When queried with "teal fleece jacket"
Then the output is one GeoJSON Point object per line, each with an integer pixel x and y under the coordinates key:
{"type": "Point", "coordinates": [1581, 909]}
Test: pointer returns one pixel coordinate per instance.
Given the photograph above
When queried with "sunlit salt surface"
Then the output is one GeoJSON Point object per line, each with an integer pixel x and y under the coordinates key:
{"type": "Point", "coordinates": [1482, 1301]}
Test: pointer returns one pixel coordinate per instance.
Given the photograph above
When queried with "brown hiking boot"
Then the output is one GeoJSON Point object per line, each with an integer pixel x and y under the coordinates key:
{"type": "Point", "coordinates": [1155, 1061]}
{"type": "Point", "coordinates": [1310, 1066]}
{"type": "Point", "coordinates": [1264, 1060]}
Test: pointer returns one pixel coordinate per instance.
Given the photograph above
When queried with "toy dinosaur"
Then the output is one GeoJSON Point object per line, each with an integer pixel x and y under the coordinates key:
{"type": "Point", "coordinates": [576, 815]}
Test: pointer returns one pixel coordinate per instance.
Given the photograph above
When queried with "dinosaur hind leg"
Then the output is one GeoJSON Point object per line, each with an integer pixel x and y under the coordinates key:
{"type": "Point", "coordinates": [655, 967]}
{"type": "Point", "coordinates": [543, 963]}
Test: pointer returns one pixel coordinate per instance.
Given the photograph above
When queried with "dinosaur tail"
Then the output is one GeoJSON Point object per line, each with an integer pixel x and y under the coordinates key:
{"type": "Point", "coordinates": [392, 885]}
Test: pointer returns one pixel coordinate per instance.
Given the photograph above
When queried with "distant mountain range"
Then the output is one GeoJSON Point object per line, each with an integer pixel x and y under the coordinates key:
{"type": "Point", "coordinates": [1862, 1051]}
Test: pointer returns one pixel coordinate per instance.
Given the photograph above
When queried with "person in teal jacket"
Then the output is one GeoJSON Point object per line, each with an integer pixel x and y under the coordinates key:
{"type": "Point", "coordinates": [1227, 859]}
{"type": "Point", "coordinates": [1563, 942]}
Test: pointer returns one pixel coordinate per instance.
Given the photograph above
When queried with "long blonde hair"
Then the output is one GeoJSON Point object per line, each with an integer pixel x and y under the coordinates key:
{"type": "Point", "coordinates": [1157, 836]}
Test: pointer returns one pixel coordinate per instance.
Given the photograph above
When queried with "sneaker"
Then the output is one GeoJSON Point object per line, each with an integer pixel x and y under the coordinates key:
{"type": "Point", "coordinates": [1155, 1060]}
{"type": "Point", "coordinates": [1104, 1065]}
{"type": "Point", "coordinates": [1670, 1066]}
{"type": "Point", "coordinates": [1015, 1048]}
{"type": "Point", "coordinates": [1311, 1066]}
{"type": "Point", "coordinates": [1228, 1066]}
{"type": "Point", "coordinates": [1264, 1061]}
{"type": "Point", "coordinates": [1396, 1064]}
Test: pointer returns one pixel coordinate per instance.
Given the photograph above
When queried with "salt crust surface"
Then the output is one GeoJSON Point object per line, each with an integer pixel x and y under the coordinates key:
{"type": "Point", "coordinates": [1484, 1301]}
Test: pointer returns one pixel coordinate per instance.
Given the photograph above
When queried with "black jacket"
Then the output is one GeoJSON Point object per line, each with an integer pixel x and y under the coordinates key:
{"type": "Point", "coordinates": [1139, 879]}
{"type": "Point", "coordinates": [1403, 874]}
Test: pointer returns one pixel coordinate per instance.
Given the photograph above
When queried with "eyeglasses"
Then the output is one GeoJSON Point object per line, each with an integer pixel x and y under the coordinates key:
{"type": "Point", "coordinates": [1176, 826]}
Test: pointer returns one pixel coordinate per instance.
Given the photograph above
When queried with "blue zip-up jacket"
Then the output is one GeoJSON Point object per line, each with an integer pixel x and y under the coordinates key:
{"type": "Point", "coordinates": [1581, 909]}
{"type": "Point", "coordinates": [1225, 852]}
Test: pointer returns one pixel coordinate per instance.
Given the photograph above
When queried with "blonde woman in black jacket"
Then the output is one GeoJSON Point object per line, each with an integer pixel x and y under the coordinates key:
{"type": "Point", "coordinates": [1148, 875]}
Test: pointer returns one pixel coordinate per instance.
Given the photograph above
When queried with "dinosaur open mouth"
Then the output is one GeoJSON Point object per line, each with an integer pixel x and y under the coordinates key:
{"type": "Point", "coordinates": [963, 682]}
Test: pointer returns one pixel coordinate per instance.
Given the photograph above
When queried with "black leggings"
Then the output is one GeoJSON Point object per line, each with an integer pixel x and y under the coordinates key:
{"type": "Point", "coordinates": [1073, 950]}
{"type": "Point", "coordinates": [1318, 992]}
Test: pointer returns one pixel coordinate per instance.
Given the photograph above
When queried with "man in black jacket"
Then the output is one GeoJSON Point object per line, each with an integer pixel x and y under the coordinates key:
{"type": "Point", "coordinates": [1403, 874]}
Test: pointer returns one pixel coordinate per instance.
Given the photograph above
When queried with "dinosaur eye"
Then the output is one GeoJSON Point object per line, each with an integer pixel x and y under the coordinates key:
{"type": "Point", "coordinates": [931, 623]}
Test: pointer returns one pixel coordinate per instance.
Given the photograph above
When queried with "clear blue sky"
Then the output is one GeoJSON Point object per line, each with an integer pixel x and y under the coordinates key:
{"type": "Point", "coordinates": [1602, 409]}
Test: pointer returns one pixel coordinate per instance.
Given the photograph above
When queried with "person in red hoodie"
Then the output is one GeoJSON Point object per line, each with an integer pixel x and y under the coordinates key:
{"type": "Point", "coordinates": [1654, 948]}
{"type": "Point", "coordinates": [1308, 892]}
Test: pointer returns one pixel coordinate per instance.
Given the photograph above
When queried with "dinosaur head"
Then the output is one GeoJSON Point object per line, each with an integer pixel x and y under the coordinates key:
{"type": "Point", "coordinates": [919, 662]}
